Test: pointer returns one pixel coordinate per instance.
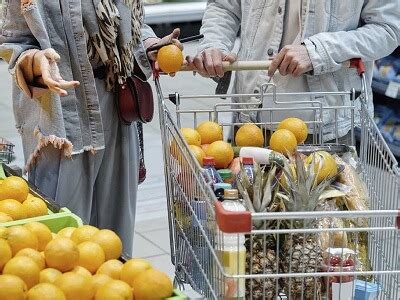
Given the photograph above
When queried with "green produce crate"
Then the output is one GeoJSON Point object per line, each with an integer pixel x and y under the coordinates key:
{"type": "Point", "coordinates": [55, 222]}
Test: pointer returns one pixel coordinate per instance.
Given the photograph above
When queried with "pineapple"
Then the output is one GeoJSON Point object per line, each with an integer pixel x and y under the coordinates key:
{"type": "Point", "coordinates": [301, 253]}
{"type": "Point", "coordinates": [261, 256]}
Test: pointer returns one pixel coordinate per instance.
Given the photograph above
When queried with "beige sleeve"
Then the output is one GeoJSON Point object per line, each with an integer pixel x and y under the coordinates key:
{"type": "Point", "coordinates": [24, 75]}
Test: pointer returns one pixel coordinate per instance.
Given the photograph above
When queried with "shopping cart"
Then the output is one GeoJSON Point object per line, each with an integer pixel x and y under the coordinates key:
{"type": "Point", "coordinates": [6, 151]}
{"type": "Point", "coordinates": [197, 221]}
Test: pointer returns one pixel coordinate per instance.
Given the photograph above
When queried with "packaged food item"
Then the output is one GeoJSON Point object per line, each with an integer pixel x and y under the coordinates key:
{"type": "Point", "coordinates": [209, 167]}
{"type": "Point", "coordinates": [219, 190]}
{"type": "Point", "coordinates": [356, 197]}
{"type": "Point", "coordinates": [261, 156]}
{"type": "Point", "coordinates": [366, 290]}
{"type": "Point", "coordinates": [339, 260]}
{"type": "Point", "coordinates": [336, 239]}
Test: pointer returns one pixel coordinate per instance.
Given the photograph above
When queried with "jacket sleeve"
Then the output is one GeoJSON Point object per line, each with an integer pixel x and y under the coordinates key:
{"type": "Point", "coordinates": [221, 23]}
{"type": "Point", "coordinates": [377, 37]}
{"type": "Point", "coordinates": [147, 32]}
{"type": "Point", "coordinates": [17, 45]}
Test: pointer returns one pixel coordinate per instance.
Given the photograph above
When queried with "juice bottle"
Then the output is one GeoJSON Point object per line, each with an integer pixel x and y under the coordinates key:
{"type": "Point", "coordinates": [209, 166]}
{"type": "Point", "coordinates": [248, 166]}
{"type": "Point", "coordinates": [232, 251]}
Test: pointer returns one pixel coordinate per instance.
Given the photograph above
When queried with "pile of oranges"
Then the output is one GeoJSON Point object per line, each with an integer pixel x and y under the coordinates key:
{"type": "Point", "coordinates": [17, 203]}
{"type": "Point", "coordinates": [76, 263]}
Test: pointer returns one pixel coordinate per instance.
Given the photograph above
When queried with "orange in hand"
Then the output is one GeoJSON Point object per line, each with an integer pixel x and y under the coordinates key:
{"type": "Point", "coordinates": [170, 59]}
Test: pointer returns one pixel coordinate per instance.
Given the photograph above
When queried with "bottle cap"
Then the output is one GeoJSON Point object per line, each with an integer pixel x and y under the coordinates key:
{"type": "Point", "coordinates": [209, 161]}
{"type": "Point", "coordinates": [222, 185]}
{"type": "Point", "coordinates": [225, 173]}
{"type": "Point", "coordinates": [231, 194]}
{"type": "Point", "coordinates": [247, 160]}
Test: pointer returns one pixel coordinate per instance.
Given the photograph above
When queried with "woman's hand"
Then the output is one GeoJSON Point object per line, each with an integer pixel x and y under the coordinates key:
{"type": "Point", "coordinates": [45, 69]}
{"type": "Point", "coordinates": [171, 38]}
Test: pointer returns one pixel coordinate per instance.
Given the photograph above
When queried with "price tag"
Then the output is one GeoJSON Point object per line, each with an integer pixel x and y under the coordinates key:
{"type": "Point", "coordinates": [393, 89]}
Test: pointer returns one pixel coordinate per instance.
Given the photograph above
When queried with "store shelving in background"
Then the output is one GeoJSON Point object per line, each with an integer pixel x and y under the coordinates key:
{"type": "Point", "coordinates": [386, 90]}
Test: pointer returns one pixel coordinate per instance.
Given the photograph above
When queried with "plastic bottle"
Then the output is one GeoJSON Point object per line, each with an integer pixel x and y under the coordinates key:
{"type": "Point", "coordinates": [226, 175]}
{"type": "Point", "coordinates": [208, 164]}
{"type": "Point", "coordinates": [233, 251]}
{"type": "Point", "coordinates": [261, 156]}
{"type": "Point", "coordinates": [248, 166]}
{"type": "Point", "coordinates": [219, 190]}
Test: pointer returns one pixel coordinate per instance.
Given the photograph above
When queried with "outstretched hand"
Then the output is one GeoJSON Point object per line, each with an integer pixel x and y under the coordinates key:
{"type": "Point", "coordinates": [46, 70]}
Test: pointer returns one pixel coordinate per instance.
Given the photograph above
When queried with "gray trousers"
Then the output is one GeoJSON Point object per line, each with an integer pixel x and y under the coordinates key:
{"type": "Point", "coordinates": [101, 188]}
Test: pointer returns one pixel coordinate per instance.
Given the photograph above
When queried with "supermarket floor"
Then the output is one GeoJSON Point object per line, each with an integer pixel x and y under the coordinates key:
{"type": "Point", "coordinates": [151, 232]}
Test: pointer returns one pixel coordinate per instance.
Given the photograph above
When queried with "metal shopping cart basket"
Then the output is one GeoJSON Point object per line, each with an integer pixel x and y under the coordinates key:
{"type": "Point", "coordinates": [6, 151]}
{"type": "Point", "coordinates": [281, 260]}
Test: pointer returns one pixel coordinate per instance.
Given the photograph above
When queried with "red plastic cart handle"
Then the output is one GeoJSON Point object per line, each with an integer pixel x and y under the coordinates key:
{"type": "Point", "coordinates": [232, 221]}
{"type": "Point", "coordinates": [358, 64]}
{"type": "Point", "coordinates": [398, 220]}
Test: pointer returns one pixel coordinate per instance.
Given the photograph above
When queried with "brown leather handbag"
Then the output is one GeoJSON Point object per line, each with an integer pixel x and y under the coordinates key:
{"type": "Point", "coordinates": [135, 100]}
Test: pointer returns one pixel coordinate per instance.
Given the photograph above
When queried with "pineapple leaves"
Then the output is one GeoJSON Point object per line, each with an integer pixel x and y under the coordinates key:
{"type": "Point", "coordinates": [268, 192]}
{"type": "Point", "coordinates": [258, 172]}
{"type": "Point", "coordinates": [245, 195]}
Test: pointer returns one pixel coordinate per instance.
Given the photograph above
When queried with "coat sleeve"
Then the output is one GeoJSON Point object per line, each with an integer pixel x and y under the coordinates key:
{"type": "Point", "coordinates": [377, 37]}
{"type": "Point", "coordinates": [17, 46]}
{"type": "Point", "coordinates": [221, 23]}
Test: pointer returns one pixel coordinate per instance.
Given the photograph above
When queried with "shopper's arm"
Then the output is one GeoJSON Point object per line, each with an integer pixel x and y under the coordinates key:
{"type": "Point", "coordinates": [34, 70]}
{"type": "Point", "coordinates": [221, 23]}
{"type": "Point", "coordinates": [378, 37]}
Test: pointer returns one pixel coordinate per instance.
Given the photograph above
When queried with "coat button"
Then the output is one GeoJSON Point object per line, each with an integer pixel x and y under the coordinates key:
{"type": "Point", "coordinates": [279, 10]}
{"type": "Point", "coordinates": [270, 51]}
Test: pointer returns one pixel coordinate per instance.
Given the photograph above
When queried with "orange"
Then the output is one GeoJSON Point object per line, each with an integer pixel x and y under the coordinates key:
{"type": "Point", "coordinates": [325, 166]}
{"type": "Point", "coordinates": [66, 232]}
{"type": "Point", "coordinates": [13, 208]}
{"type": "Point", "coordinates": [110, 242]}
{"type": "Point", "coordinates": [25, 268]}
{"type": "Point", "coordinates": [222, 152]}
{"type": "Point", "coordinates": [151, 285]}
{"type": "Point", "coordinates": [45, 291]}
{"type": "Point", "coordinates": [30, 196]}
{"type": "Point", "coordinates": [209, 132]}
{"type": "Point", "coordinates": [170, 59]}
{"type": "Point", "coordinates": [12, 288]}
{"type": "Point", "coordinates": [191, 136]}
{"type": "Point", "coordinates": [82, 271]}
{"type": "Point", "coordinates": [14, 187]}
{"type": "Point", "coordinates": [35, 207]}
{"type": "Point", "coordinates": [283, 141]}
{"type": "Point", "coordinates": [116, 290]}
{"type": "Point", "coordinates": [3, 233]}
{"type": "Point", "coordinates": [34, 255]}
{"type": "Point", "coordinates": [42, 233]}
{"type": "Point", "coordinates": [19, 237]}
{"type": "Point", "coordinates": [5, 253]}
{"type": "Point", "coordinates": [49, 275]}
{"type": "Point", "coordinates": [61, 254]}
{"type": "Point", "coordinates": [5, 218]}
{"type": "Point", "coordinates": [132, 268]}
{"type": "Point", "coordinates": [297, 126]}
{"type": "Point", "coordinates": [249, 135]}
{"type": "Point", "coordinates": [99, 280]}
{"type": "Point", "coordinates": [205, 147]}
{"type": "Point", "coordinates": [83, 234]}
{"type": "Point", "coordinates": [111, 268]}
{"type": "Point", "coordinates": [75, 286]}
{"type": "Point", "coordinates": [91, 256]}
{"type": "Point", "coordinates": [198, 153]}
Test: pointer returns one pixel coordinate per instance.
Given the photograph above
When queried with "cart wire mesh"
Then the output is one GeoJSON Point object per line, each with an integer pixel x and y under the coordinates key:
{"type": "Point", "coordinates": [274, 269]}
{"type": "Point", "coordinates": [6, 151]}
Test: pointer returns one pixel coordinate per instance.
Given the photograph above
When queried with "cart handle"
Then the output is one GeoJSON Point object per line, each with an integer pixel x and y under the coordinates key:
{"type": "Point", "coordinates": [358, 64]}
{"type": "Point", "coordinates": [240, 66]}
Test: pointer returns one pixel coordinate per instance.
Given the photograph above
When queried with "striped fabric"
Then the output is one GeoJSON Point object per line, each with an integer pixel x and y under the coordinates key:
{"type": "Point", "coordinates": [104, 46]}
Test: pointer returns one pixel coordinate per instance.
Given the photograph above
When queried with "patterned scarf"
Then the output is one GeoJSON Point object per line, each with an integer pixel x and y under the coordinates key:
{"type": "Point", "coordinates": [105, 47]}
